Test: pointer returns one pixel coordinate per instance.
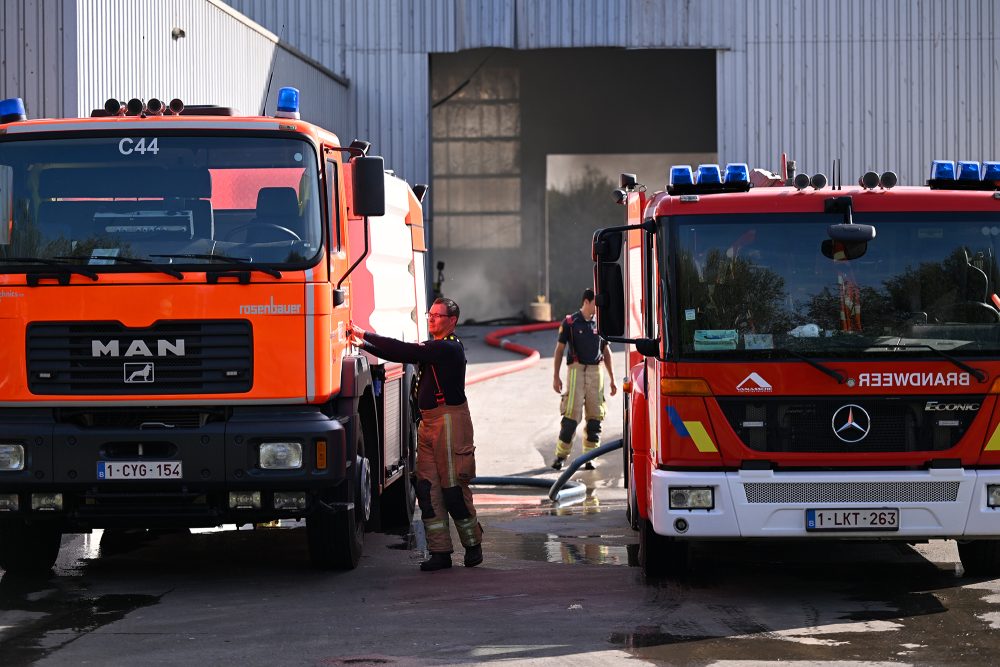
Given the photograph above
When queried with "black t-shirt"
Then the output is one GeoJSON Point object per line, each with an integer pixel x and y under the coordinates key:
{"type": "Point", "coordinates": [584, 344]}
{"type": "Point", "coordinates": [447, 356]}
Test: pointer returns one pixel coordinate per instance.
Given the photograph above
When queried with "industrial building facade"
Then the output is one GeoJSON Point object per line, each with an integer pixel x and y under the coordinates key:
{"type": "Point", "coordinates": [519, 113]}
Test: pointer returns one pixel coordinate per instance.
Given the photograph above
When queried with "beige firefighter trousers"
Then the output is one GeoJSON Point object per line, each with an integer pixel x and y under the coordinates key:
{"type": "Point", "coordinates": [446, 462]}
{"type": "Point", "coordinates": [583, 396]}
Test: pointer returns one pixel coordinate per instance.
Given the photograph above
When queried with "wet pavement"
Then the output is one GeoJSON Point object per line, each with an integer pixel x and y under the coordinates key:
{"type": "Point", "coordinates": [556, 587]}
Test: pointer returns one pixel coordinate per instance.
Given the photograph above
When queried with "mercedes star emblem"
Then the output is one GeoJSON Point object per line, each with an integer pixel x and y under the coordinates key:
{"type": "Point", "coordinates": [851, 423]}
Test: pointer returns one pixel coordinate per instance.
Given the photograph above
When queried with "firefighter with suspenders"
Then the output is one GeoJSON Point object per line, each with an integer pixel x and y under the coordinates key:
{"type": "Point", "coordinates": [585, 352]}
{"type": "Point", "coordinates": [445, 453]}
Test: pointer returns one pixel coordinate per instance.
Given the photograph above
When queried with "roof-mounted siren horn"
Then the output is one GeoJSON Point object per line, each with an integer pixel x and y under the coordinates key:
{"type": "Point", "coordinates": [114, 107]}
{"type": "Point", "coordinates": [134, 107]}
{"type": "Point", "coordinates": [12, 110]}
{"type": "Point", "coordinates": [801, 181]}
{"type": "Point", "coordinates": [869, 180]}
{"type": "Point", "coordinates": [288, 103]}
{"type": "Point", "coordinates": [888, 180]}
{"type": "Point", "coordinates": [154, 107]}
{"type": "Point", "coordinates": [176, 106]}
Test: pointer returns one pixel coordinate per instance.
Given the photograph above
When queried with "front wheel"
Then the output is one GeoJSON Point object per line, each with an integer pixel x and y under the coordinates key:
{"type": "Point", "coordinates": [336, 539]}
{"type": "Point", "coordinates": [980, 558]}
{"type": "Point", "coordinates": [660, 556]}
{"type": "Point", "coordinates": [28, 548]}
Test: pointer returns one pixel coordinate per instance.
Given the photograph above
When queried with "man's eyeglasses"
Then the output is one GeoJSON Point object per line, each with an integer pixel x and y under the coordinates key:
{"type": "Point", "coordinates": [437, 316]}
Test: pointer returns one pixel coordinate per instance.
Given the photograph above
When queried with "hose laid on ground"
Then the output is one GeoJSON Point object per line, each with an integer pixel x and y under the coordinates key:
{"type": "Point", "coordinates": [557, 493]}
{"type": "Point", "coordinates": [571, 492]}
{"type": "Point", "coordinates": [554, 491]}
{"type": "Point", "coordinates": [496, 339]}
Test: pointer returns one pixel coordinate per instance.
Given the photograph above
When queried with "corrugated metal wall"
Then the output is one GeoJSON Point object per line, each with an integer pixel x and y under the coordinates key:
{"type": "Point", "coordinates": [131, 49]}
{"type": "Point", "coordinates": [881, 85]}
{"type": "Point", "coordinates": [37, 49]}
{"type": "Point", "coordinates": [887, 85]}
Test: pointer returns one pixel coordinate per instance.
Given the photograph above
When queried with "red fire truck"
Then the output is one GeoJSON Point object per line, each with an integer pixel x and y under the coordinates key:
{"type": "Point", "coordinates": [807, 361]}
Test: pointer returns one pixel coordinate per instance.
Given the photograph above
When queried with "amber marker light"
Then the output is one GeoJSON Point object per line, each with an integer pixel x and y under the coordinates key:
{"type": "Point", "coordinates": [627, 387]}
{"type": "Point", "coordinates": [684, 387]}
{"type": "Point", "coordinates": [995, 389]}
{"type": "Point", "coordinates": [321, 454]}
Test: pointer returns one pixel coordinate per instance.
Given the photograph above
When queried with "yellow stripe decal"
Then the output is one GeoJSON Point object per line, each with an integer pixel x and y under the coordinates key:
{"type": "Point", "coordinates": [571, 381]}
{"type": "Point", "coordinates": [702, 440]}
{"type": "Point", "coordinates": [994, 441]}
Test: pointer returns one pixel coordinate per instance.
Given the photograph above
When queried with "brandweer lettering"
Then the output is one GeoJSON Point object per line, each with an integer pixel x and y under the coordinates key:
{"type": "Point", "coordinates": [913, 379]}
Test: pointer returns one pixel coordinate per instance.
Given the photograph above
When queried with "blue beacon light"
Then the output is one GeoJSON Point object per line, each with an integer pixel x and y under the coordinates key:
{"type": "Point", "coordinates": [709, 173]}
{"type": "Point", "coordinates": [968, 171]}
{"type": "Point", "coordinates": [12, 110]}
{"type": "Point", "coordinates": [991, 171]}
{"type": "Point", "coordinates": [942, 169]}
{"type": "Point", "coordinates": [737, 172]}
{"type": "Point", "coordinates": [681, 175]}
{"type": "Point", "coordinates": [288, 103]}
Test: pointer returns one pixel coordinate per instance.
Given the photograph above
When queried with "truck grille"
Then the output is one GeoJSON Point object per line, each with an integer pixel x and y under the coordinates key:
{"type": "Point", "coordinates": [851, 492]}
{"type": "Point", "coordinates": [804, 424]}
{"type": "Point", "coordinates": [171, 357]}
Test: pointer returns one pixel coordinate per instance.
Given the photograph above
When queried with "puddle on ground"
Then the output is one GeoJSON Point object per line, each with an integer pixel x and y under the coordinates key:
{"type": "Point", "coordinates": [51, 613]}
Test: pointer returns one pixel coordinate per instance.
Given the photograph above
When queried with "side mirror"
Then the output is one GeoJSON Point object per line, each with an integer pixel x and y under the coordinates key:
{"type": "Point", "coordinates": [608, 246]}
{"type": "Point", "coordinates": [6, 203]}
{"type": "Point", "coordinates": [610, 299]}
{"type": "Point", "coordinates": [369, 186]}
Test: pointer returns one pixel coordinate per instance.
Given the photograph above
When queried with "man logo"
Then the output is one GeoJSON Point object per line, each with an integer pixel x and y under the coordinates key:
{"type": "Point", "coordinates": [851, 423]}
{"type": "Point", "coordinates": [138, 373]}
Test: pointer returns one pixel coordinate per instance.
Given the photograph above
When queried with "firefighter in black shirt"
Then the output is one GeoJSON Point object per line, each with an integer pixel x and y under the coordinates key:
{"type": "Point", "coordinates": [585, 352]}
{"type": "Point", "coordinates": [445, 452]}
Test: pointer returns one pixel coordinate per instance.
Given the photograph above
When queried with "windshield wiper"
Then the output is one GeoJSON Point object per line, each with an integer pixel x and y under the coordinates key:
{"type": "Point", "coordinates": [242, 262]}
{"type": "Point", "coordinates": [130, 260]}
{"type": "Point", "coordinates": [839, 377]}
{"type": "Point", "coordinates": [978, 373]}
{"type": "Point", "coordinates": [62, 266]}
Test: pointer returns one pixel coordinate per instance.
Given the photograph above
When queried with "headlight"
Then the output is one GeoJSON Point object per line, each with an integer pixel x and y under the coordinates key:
{"type": "Point", "coordinates": [993, 495]}
{"type": "Point", "coordinates": [11, 457]}
{"type": "Point", "coordinates": [691, 498]}
{"type": "Point", "coordinates": [280, 455]}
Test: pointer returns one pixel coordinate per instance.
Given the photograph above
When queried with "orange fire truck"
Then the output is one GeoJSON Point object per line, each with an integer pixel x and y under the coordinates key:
{"type": "Point", "coordinates": [176, 285]}
{"type": "Point", "coordinates": [808, 361]}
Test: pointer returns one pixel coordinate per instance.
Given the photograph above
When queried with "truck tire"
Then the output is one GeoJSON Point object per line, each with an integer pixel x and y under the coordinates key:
{"type": "Point", "coordinates": [980, 558]}
{"type": "Point", "coordinates": [660, 556]}
{"type": "Point", "coordinates": [28, 548]}
{"type": "Point", "coordinates": [336, 539]}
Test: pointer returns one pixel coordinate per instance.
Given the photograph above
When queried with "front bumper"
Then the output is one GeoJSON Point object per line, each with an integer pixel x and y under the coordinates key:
{"type": "Point", "coordinates": [937, 503]}
{"type": "Point", "coordinates": [217, 458]}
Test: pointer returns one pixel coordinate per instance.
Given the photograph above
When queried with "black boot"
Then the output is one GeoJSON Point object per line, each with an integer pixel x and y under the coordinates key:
{"type": "Point", "coordinates": [437, 561]}
{"type": "Point", "coordinates": [473, 555]}
{"type": "Point", "coordinates": [588, 466]}
{"type": "Point", "coordinates": [558, 463]}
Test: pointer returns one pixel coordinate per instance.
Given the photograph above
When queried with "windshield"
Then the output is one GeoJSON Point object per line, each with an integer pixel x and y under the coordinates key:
{"type": "Point", "coordinates": [147, 201]}
{"type": "Point", "coordinates": [773, 286]}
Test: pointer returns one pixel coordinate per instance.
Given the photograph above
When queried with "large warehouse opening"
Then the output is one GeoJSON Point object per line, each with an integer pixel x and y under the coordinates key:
{"type": "Point", "coordinates": [523, 143]}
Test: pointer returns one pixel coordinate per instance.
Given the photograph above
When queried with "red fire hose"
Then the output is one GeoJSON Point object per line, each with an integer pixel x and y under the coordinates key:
{"type": "Point", "coordinates": [496, 339]}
